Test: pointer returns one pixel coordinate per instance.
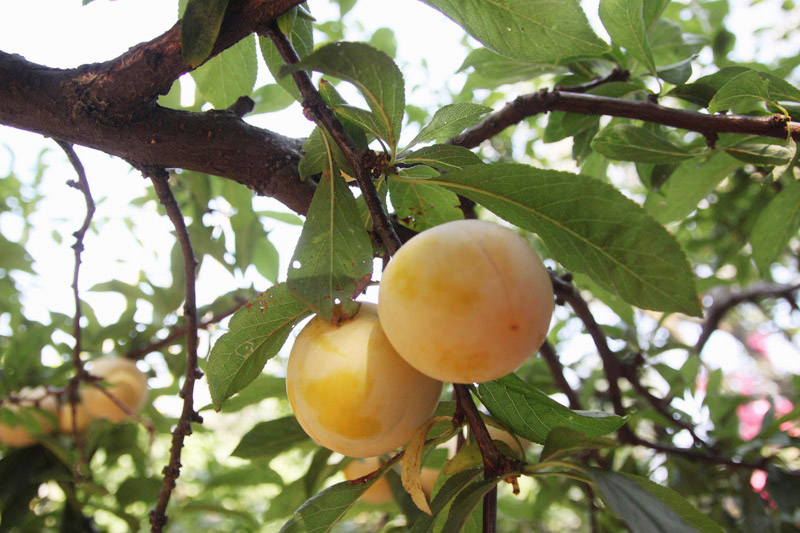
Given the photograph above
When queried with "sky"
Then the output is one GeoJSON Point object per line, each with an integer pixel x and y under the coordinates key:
{"type": "Point", "coordinates": [62, 33]}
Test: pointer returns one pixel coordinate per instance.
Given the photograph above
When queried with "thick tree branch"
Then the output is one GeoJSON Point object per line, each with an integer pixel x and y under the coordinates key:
{"type": "Point", "coordinates": [725, 300]}
{"type": "Point", "coordinates": [125, 88]}
{"type": "Point", "coordinates": [40, 99]}
{"type": "Point", "coordinates": [587, 104]}
{"type": "Point", "coordinates": [112, 107]}
{"type": "Point", "coordinates": [322, 114]}
{"type": "Point", "coordinates": [158, 517]}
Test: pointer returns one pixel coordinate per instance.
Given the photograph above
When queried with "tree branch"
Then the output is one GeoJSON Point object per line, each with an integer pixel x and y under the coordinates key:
{"type": "Point", "coordinates": [557, 371]}
{"type": "Point", "coordinates": [158, 517]}
{"type": "Point", "coordinates": [112, 107]}
{"type": "Point", "coordinates": [73, 385]}
{"type": "Point", "coordinates": [566, 292]}
{"type": "Point", "coordinates": [494, 462]}
{"type": "Point", "coordinates": [632, 439]}
{"type": "Point", "coordinates": [614, 368]}
{"type": "Point", "coordinates": [725, 300]}
{"type": "Point", "coordinates": [319, 110]}
{"type": "Point", "coordinates": [588, 104]}
{"type": "Point", "coordinates": [178, 332]}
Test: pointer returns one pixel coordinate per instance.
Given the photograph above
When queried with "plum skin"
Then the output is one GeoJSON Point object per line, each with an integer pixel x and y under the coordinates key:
{"type": "Point", "coordinates": [466, 301]}
{"type": "Point", "coordinates": [351, 392]}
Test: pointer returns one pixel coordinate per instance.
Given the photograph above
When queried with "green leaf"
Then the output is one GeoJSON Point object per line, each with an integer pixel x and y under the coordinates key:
{"type": "Point", "coordinates": [648, 507]}
{"type": "Point", "coordinates": [624, 21]}
{"type": "Point", "coordinates": [766, 154]}
{"type": "Point", "coordinates": [200, 28]}
{"type": "Point", "coordinates": [384, 40]}
{"type": "Point", "coordinates": [692, 181]}
{"type": "Point", "coordinates": [282, 216]}
{"type": "Point", "coordinates": [229, 75]}
{"type": "Point", "coordinates": [334, 253]}
{"type": "Point", "coordinates": [302, 39]}
{"type": "Point", "coordinates": [317, 150]}
{"type": "Point", "coordinates": [289, 498]}
{"type": "Point", "coordinates": [653, 10]}
{"type": "Point", "coordinates": [452, 486]}
{"type": "Point", "coordinates": [269, 98]}
{"type": "Point", "coordinates": [372, 72]}
{"type": "Point", "coordinates": [468, 500]}
{"type": "Point", "coordinates": [743, 89]}
{"type": "Point", "coordinates": [255, 334]}
{"type": "Point", "coordinates": [532, 414]}
{"type": "Point", "coordinates": [703, 89]}
{"type": "Point", "coordinates": [264, 386]}
{"type": "Point", "coordinates": [563, 442]}
{"type": "Point", "coordinates": [537, 30]}
{"type": "Point", "coordinates": [633, 143]}
{"type": "Point", "coordinates": [363, 119]}
{"type": "Point", "coordinates": [589, 227]}
{"type": "Point", "coordinates": [776, 225]}
{"type": "Point", "coordinates": [449, 121]}
{"type": "Point", "coordinates": [444, 157]}
{"type": "Point", "coordinates": [268, 439]}
{"type": "Point", "coordinates": [492, 70]}
{"type": "Point", "coordinates": [322, 511]}
{"type": "Point", "coordinates": [266, 259]}
{"type": "Point", "coordinates": [670, 44]}
{"type": "Point", "coordinates": [420, 206]}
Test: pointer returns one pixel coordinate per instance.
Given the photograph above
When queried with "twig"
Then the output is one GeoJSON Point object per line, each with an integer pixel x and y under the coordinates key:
{"type": "Point", "coordinates": [316, 107]}
{"type": "Point", "coordinates": [613, 367]}
{"type": "Point", "coordinates": [158, 517]}
{"type": "Point", "coordinates": [557, 371]}
{"type": "Point", "coordinates": [725, 300]}
{"type": "Point", "coordinates": [180, 331]}
{"type": "Point", "coordinates": [702, 457]}
{"type": "Point", "coordinates": [616, 74]}
{"type": "Point", "coordinates": [93, 380]}
{"type": "Point", "coordinates": [565, 291]}
{"type": "Point", "coordinates": [81, 185]}
{"type": "Point", "coordinates": [495, 464]}
{"type": "Point", "coordinates": [776, 126]}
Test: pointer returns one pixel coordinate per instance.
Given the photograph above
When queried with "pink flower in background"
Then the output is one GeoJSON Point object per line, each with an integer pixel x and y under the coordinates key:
{"type": "Point", "coordinates": [751, 416]}
{"type": "Point", "coordinates": [757, 342]}
{"type": "Point", "coordinates": [758, 480]}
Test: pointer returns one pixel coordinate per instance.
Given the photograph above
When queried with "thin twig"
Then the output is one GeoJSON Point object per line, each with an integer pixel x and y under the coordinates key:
{"type": "Point", "coordinates": [557, 371]}
{"type": "Point", "coordinates": [702, 457]}
{"type": "Point", "coordinates": [180, 331]}
{"type": "Point", "coordinates": [566, 291]}
{"type": "Point", "coordinates": [158, 516]}
{"type": "Point", "coordinates": [776, 126]}
{"type": "Point", "coordinates": [125, 408]}
{"type": "Point", "coordinates": [725, 300]}
{"type": "Point", "coordinates": [613, 367]}
{"type": "Point", "coordinates": [316, 108]}
{"type": "Point", "coordinates": [616, 74]}
{"type": "Point", "coordinates": [82, 185]}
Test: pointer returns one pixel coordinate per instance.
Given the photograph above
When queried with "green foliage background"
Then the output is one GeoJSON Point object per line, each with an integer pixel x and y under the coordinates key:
{"type": "Point", "coordinates": [654, 223]}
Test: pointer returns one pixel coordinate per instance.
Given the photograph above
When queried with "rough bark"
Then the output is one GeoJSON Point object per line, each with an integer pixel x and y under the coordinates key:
{"type": "Point", "coordinates": [112, 107]}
